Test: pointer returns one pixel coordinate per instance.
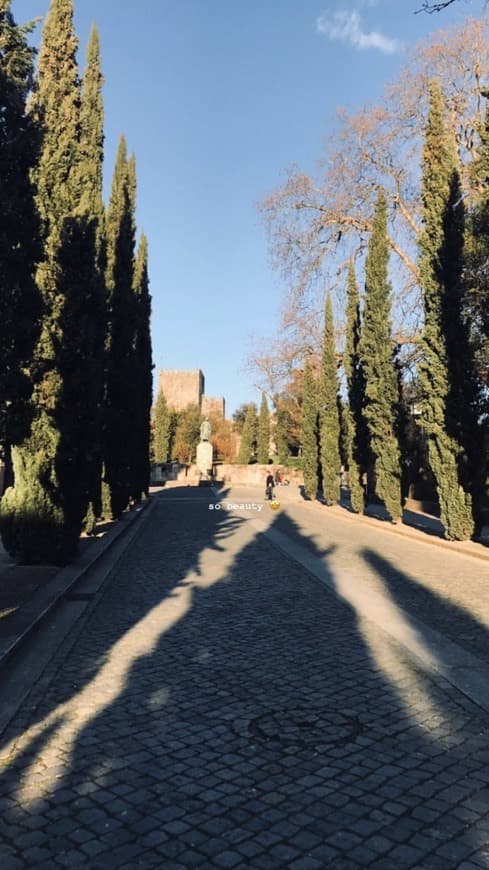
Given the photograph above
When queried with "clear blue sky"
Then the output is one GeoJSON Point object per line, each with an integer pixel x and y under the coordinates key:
{"type": "Point", "coordinates": [216, 98]}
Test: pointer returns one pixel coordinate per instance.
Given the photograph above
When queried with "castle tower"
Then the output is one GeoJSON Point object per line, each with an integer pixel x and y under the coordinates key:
{"type": "Point", "coordinates": [182, 388]}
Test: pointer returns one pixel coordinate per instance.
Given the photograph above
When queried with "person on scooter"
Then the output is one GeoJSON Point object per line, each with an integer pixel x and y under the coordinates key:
{"type": "Point", "coordinates": [269, 494]}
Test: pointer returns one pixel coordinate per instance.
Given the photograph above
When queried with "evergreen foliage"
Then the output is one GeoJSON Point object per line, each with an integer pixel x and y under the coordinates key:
{"type": "Point", "coordinates": [441, 250]}
{"type": "Point", "coordinates": [49, 465]}
{"type": "Point", "coordinates": [281, 433]}
{"type": "Point", "coordinates": [20, 302]}
{"type": "Point", "coordinates": [476, 316]}
{"type": "Point", "coordinates": [92, 311]}
{"type": "Point", "coordinates": [187, 434]}
{"type": "Point", "coordinates": [376, 351]}
{"type": "Point", "coordinates": [263, 439]}
{"type": "Point", "coordinates": [162, 429]}
{"type": "Point", "coordinates": [477, 257]}
{"type": "Point", "coordinates": [119, 428]}
{"type": "Point", "coordinates": [248, 436]}
{"type": "Point", "coordinates": [357, 436]}
{"type": "Point", "coordinates": [310, 432]}
{"type": "Point", "coordinates": [329, 416]}
{"type": "Point", "coordinates": [142, 374]}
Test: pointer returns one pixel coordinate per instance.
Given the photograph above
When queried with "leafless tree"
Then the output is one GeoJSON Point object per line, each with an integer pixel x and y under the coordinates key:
{"type": "Point", "coordinates": [317, 223]}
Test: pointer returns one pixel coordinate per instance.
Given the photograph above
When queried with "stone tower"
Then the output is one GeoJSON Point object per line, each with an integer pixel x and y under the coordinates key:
{"type": "Point", "coordinates": [182, 388]}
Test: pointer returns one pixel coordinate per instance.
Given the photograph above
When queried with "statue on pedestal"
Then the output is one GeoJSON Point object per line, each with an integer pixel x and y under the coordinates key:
{"type": "Point", "coordinates": [205, 431]}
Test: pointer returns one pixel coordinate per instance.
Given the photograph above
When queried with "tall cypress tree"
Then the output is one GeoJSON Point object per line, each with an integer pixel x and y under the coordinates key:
{"type": "Point", "coordinates": [329, 415]}
{"type": "Point", "coordinates": [476, 313]}
{"type": "Point", "coordinates": [357, 446]}
{"type": "Point", "coordinates": [143, 366]}
{"type": "Point", "coordinates": [477, 254]}
{"type": "Point", "coordinates": [441, 250]}
{"type": "Point", "coordinates": [310, 432]}
{"type": "Point", "coordinates": [376, 350]}
{"type": "Point", "coordinates": [248, 435]}
{"type": "Point", "coordinates": [43, 513]}
{"type": "Point", "coordinates": [92, 313]}
{"type": "Point", "coordinates": [20, 303]}
{"type": "Point", "coordinates": [263, 440]}
{"type": "Point", "coordinates": [162, 429]}
{"type": "Point", "coordinates": [119, 436]}
{"type": "Point", "coordinates": [280, 434]}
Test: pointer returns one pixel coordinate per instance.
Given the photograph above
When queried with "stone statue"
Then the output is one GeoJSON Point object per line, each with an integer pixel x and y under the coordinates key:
{"type": "Point", "coordinates": [205, 431]}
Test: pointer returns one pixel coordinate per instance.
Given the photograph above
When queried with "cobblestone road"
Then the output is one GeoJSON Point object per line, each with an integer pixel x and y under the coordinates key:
{"type": "Point", "coordinates": [218, 708]}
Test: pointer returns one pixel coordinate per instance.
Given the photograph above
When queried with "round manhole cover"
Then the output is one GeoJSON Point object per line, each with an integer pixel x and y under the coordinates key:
{"type": "Point", "coordinates": [305, 728]}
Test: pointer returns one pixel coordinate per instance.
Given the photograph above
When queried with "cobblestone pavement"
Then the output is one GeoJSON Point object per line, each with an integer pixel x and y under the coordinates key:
{"type": "Point", "coordinates": [218, 708]}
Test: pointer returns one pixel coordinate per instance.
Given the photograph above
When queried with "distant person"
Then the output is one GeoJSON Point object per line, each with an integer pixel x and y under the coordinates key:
{"type": "Point", "coordinates": [269, 486]}
{"type": "Point", "coordinates": [278, 477]}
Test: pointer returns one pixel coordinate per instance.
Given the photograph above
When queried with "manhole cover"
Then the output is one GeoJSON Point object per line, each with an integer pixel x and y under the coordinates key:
{"type": "Point", "coordinates": [305, 728]}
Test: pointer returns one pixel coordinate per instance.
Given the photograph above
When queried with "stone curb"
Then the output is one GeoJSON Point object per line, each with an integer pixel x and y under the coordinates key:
{"type": "Point", "coordinates": [435, 653]}
{"type": "Point", "coordinates": [467, 548]}
{"type": "Point", "coordinates": [29, 616]}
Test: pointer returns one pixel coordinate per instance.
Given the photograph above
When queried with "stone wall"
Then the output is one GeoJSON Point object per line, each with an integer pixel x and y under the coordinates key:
{"type": "Point", "coordinates": [239, 475]}
{"type": "Point", "coordinates": [182, 388]}
{"type": "Point", "coordinates": [255, 475]}
{"type": "Point", "coordinates": [213, 405]}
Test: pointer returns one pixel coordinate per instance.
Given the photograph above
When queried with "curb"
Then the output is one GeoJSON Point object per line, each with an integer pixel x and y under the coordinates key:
{"type": "Point", "coordinates": [466, 548]}
{"type": "Point", "coordinates": [30, 616]}
{"type": "Point", "coordinates": [433, 652]}
{"type": "Point", "coordinates": [405, 531]}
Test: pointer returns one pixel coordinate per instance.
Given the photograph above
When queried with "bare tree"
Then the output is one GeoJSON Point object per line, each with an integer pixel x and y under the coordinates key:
{"type": "Point", "coordinates": [317, 223]}
{"type": "Point", "coordinates": [428, 6]}
{"type": "Point", "coordinates": [435, 7]}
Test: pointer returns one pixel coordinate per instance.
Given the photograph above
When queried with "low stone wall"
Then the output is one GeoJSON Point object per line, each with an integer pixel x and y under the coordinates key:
{"type": "Point", "coordinates": [239, 475]}
{"type": "Point", "coordinates": [255, 475]}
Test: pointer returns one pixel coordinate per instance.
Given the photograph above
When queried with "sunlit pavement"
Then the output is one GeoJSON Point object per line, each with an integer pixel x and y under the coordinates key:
{"type": "Point", "coordinates": [219, 707]}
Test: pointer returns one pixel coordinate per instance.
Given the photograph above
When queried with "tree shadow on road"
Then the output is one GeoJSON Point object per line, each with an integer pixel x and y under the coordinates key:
{"type": "Point", "coordinates": [232, 712]}
{"type": "Point", "coordinates": [437, 611]}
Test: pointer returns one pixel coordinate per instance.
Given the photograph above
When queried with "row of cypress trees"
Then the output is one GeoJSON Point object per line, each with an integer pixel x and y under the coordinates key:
{"type": "Point", "coordinates": [85, 292]}
{"type": "Point", "coordinates": [451, 401]}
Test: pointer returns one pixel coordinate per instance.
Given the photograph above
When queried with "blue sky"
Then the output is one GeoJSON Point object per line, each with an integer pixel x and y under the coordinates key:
{"type": "Point", "coordinates": [216, 98]}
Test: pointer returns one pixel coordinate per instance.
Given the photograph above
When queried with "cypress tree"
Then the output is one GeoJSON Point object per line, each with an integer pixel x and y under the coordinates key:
{"type": "Point", "coordinates": [440, 264]}
{"type": "Point", "coordinates": [20, 303]}
{"type": "Point", "coordinates": [92, 313]}
{"type": "Point", "coordinates": [119, 430]}
{"type": "Point", "coordinates": [310, 432]}
{"type": "Point", "coordinates": [248, 436]}
{"type": "Point", "coordinates": [43, 513]}
{"type": "Point", "coordinates": [162, 429]}
{"type": "Point", "coordinates": [263, 441]}
{"type": "Point", "coordinates": [357, 440]}
{"type": "Point", "coordinates": [143, 367]}
{"type": "Point", "coordinates": [476, 313]}
{"type": "Point", "coordinates": [376, 350]}
{"type": "Point", "coordinates": [329, 416]}
{"type": "Point", "coordinates": [281, 433]}
{"type": "Point", "coordinates": [477, 254]}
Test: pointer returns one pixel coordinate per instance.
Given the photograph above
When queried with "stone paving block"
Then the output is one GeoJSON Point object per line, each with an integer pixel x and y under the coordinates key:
{"type": "Point", "coordinates": [176, 768]}
{"type": "Point", "coordinates": [10, 862]}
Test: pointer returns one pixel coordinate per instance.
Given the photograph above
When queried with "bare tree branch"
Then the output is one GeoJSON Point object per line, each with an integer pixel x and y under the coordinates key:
{"type": "Point", "coordinates": [316, 224]}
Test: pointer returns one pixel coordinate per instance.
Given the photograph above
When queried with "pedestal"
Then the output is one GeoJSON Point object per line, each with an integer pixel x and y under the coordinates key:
{"type": "Point", "coordinates": [204, 458]}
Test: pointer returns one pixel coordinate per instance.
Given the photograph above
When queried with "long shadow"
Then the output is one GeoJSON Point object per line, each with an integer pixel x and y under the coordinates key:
{"type": "Point", "coordinates": [426, 605]}
{"type": "Point", "coordinates": [171, 566]}
{"type": "Point", "coordinates": [253, 726]}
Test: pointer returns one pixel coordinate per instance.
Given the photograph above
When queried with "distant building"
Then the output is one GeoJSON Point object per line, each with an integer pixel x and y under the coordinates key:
{"type": "Point", "coordinates": [182, 388]}
{"type": "Point", "coordinates": [213, 406]}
